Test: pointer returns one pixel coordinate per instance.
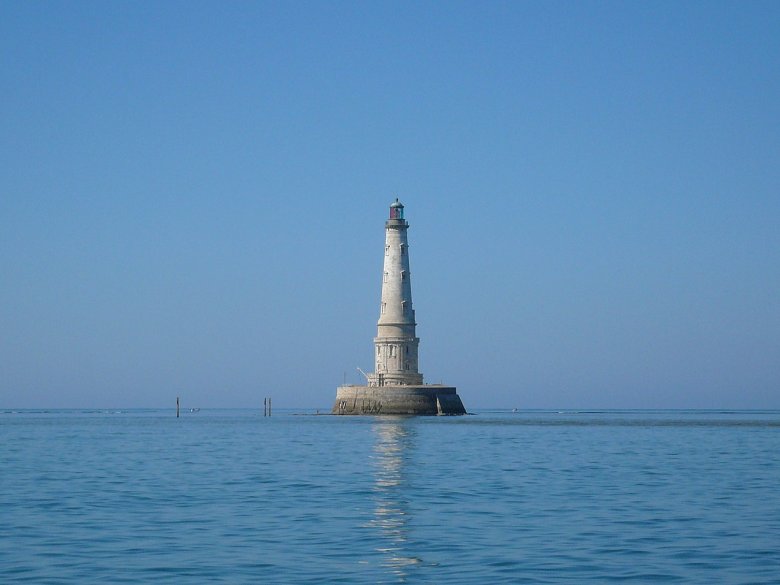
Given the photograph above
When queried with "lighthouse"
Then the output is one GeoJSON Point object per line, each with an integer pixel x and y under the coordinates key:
{"type": "Point", "coordinates": [396, 386]}
{"type": "Point", "coordinates": [396, 342]}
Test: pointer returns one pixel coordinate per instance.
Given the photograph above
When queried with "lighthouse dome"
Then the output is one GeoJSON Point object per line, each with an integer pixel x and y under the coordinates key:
{"type": "Point", "coordinates": [396, 203]}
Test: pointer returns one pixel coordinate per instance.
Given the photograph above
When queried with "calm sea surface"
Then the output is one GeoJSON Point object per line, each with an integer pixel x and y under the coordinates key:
{"type": "Point", "coordinates": [223, 496]}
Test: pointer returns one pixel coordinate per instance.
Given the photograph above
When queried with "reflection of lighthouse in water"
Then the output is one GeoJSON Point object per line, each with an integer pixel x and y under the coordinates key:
{"type": "Point", "coordinates": [391, 517]}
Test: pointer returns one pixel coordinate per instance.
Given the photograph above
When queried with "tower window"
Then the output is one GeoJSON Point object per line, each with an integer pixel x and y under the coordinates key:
{"type": "Point", "coordinates": [384, 306]}
{"type": "Point", "coordinates": [403, 249]}
{"type": "Point", "coordinates": [387, 250]}
{"type": "Point", "coordinates": [403, 275]}
{"type": "Point", "coordinates": [384, 277]}
{"type": "Point", "coordinates": [404, 306]}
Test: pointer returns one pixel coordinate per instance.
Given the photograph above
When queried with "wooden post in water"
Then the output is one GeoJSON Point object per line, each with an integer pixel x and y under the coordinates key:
{"type": "Point", "coordinates": [177, 407]}
{"type": "Point", "coordinates": [269, 406]}
{"type": "Point", "coordinates": [265, 406]}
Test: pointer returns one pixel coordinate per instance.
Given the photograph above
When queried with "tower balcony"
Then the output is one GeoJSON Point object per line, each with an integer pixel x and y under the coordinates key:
{"type": "Point", "coordinates": [394, 379]}
{"type": "Point", "coordinates": [396, 224]}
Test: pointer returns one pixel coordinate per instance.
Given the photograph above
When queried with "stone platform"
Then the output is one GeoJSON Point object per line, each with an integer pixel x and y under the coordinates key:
{"type": "Point", "coordinates": [427, 399]}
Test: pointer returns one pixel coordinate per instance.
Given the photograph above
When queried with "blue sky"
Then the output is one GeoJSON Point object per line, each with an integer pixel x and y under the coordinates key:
{"type": "Point", "coordinates": [193, 195]}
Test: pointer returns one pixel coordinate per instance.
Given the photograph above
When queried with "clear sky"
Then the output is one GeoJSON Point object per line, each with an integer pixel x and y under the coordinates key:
{"type": "Point", "coordinates": [193, 196]}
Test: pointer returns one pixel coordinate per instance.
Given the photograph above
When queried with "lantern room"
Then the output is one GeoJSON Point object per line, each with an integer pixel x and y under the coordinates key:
{"type": "Point", "coordinates": [396, 210]}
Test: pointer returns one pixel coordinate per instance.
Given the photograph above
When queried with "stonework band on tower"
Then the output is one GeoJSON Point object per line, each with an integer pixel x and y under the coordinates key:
{"type": "Point", "coordinates": [396, 386]}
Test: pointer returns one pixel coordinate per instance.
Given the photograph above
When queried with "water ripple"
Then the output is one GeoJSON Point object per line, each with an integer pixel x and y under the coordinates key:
{"type": "Point", "coordinates": [540, 497]}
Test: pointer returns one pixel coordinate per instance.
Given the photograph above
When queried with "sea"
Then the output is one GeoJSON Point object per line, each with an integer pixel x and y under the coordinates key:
{"type": "Point", "coordinates": [498, 496]}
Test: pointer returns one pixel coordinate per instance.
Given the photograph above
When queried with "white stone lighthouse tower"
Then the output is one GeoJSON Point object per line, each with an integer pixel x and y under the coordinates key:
{"type": "Point", "coordinates": [396, 386]}
{"type": "Point", "coordinates": [396, 342]}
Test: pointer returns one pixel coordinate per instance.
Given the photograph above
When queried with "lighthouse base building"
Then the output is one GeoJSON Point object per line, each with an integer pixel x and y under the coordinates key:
{"type": "Point", "coordinates": [424, 399]}
{"type": "Point", "coordinates": [396, 386]}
